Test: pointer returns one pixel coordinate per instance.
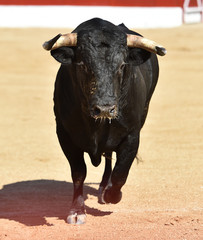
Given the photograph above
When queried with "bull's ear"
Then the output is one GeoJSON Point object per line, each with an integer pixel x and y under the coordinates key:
{"type": "Point", "coordinates": [63, 55]}
{"type": "Point", "coordinates": [138, 56]}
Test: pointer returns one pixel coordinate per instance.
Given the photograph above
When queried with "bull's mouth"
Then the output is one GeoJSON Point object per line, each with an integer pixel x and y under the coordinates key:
{"type": "Point", "coordinates": [101, 113]}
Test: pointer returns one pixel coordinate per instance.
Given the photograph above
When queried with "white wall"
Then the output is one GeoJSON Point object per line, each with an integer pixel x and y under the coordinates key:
{"type": "Point", "coordinates": [192, 17]}
{"type": "Point", "coordinates": [71, 16]}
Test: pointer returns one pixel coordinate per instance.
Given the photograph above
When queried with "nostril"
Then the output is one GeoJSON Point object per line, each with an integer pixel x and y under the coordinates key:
{"type": "Point", "coordinates": [96, 111]}
{"type": "Point", "coordinates": [112, 109]}
{"type": "Point", "coordinates": [103, 111]}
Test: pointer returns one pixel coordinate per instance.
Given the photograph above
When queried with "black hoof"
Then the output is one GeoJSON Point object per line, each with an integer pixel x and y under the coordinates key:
{"type": "Point", "coordinates": [111, 196]}
{"type": "Point", "coordinates": [76, 219]}
{"type": "Point", "coordinates": [107, 195]}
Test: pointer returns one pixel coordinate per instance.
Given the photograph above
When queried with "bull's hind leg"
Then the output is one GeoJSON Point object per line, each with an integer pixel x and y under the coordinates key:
{"type": "Point", "coordinates": [126, 153]}
{"type": "Point", "coordinates": [75, 157]}
{"type": "Point", "coordinates": [106, 177]}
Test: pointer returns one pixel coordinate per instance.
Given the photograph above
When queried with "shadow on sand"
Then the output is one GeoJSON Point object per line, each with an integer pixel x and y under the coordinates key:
{"type": "Point", "coordinates": [30, 202]}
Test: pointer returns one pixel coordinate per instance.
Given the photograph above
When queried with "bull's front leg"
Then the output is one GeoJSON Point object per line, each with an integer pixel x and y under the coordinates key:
{"type": "Point", "coordinates": [77, 214]}
{"type": "Point", "coordinates": [106, 177]}
{"type": "Point", "coordinates": [125, 156]}
{"type": "Point", "coordinates": [75, 157]}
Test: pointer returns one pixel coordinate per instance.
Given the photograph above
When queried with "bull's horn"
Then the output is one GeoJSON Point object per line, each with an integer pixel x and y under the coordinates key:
{"type": "Point", "coordinates": [69, 39]}
{"type": "Point", "coordinates": [149, 45]}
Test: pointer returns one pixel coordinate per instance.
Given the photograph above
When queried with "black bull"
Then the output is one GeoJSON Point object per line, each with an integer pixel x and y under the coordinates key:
{"type": "Point", "coordinates": [101, 99]}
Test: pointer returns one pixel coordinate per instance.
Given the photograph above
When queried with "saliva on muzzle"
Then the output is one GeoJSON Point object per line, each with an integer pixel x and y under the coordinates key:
{"type": "Point", "coordinates": [104, 112]}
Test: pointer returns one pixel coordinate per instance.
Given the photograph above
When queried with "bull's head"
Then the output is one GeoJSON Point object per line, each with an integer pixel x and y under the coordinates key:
{"type": "Point", "coordinates": [100, 57]}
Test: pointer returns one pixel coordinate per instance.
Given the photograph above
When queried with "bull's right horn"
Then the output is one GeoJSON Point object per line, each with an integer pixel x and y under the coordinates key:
{"type": "Point", "coordinates": [69, 39]}
{"type": "Point", "coordinates": [147, 44]}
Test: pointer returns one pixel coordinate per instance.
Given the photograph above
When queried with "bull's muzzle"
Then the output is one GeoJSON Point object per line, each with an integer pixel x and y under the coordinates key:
{"type": "Point", "coordinates": [104, 112]}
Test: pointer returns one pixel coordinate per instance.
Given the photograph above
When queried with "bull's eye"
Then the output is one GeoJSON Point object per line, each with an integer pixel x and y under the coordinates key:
{"type": "Point", "coordinates": [82, 65]}
{"type": "Point", "coordinates": [121, 68]}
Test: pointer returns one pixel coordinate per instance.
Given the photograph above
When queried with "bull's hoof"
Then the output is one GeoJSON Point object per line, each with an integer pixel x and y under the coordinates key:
{"type": "Point", "coordinates": [111, 196]}
{"type": "Point", "coordinates": [76, 219]}
{"type": "Point", "coordinates": [108, 195]}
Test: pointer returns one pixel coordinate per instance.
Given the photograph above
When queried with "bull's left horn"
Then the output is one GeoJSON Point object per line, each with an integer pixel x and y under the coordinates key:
{"type": "Point", "coordinates": [69, 39]}
{"type": "Point", "coordinates": [149, 45]}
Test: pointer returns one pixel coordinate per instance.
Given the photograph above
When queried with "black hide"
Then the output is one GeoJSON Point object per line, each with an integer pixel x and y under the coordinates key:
{"type": "Point", "coordinates": [102, 94]}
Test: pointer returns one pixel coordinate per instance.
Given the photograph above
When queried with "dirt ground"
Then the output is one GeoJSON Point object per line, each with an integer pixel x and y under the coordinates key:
{"type": "Point", "coordinates": [163, 197]}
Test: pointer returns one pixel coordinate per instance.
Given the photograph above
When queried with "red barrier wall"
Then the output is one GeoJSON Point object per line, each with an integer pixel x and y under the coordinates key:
{"type": "Point", "coordinates": [138, 3]}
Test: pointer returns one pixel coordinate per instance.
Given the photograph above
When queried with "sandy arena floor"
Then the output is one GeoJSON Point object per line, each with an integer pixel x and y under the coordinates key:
{"type": "Point", "coordinates": [163, 197]}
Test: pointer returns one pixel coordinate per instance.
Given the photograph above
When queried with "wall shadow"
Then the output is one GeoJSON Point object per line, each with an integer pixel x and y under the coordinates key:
{"type": "Point", "coordinates": [30, 202]}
